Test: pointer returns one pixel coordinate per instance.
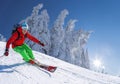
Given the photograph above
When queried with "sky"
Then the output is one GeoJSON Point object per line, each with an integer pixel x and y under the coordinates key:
{"type": "Point", "coordinates": [100, 16]}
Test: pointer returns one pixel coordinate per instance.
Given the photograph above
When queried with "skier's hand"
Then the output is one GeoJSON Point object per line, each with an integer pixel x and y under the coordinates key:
{"type": "Point", "coordinates": [42, 44]}
{"type": "Point", "coordinates": [6, 52]}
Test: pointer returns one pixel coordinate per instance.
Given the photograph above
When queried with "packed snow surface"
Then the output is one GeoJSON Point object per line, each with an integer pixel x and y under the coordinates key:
{"type": "Point", "coordinates": [13, 70]}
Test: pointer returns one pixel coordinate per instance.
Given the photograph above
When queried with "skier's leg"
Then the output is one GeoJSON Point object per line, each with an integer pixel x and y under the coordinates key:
{"type": "Point", "coordinates": [28, 51]}
{"type": "Point", "coordinates": [22, 51]}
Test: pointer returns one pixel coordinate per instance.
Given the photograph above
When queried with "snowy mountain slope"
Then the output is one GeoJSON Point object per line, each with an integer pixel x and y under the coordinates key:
{"type": "Point", "coordinates": [13, 70]}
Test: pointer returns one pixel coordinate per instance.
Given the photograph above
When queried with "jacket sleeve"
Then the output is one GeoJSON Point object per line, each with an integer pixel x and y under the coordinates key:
{"type": "Point", "coordinates": [11, 40]}
{"type": "Point", "coordinates": [32, 38]}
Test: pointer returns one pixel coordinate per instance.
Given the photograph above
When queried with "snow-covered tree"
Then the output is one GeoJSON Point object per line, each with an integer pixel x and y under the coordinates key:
{"type": "Point", "coordinates": [66, 46]}
{"type": "Point", "coordinates": [77, 50]}
{"type": "Point", "coordinates": [57, 34]}
{"type": "Point", "coordinates": [2, 38]}
{"type": "Point", "coordinates": [85, 59]}
{"type": "Point", "coordinates": [44, 33]}
{"type": "Point", "coordinates": [32, 21]}
{"type": "Point", "coordinates": [38, 27]}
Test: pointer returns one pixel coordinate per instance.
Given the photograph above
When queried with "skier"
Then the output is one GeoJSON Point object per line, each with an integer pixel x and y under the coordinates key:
{"type": "Point", "coordinates": [17, 40]}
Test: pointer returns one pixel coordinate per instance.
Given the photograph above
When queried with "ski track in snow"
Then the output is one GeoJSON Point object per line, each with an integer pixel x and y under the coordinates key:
{"type": "Point", "coordinates": [13, 70]}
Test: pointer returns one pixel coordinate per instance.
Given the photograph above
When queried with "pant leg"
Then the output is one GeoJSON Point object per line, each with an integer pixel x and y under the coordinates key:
{"type": "Point", "coordinates": [28, 51]}
{"type": "Point", "coordinates": [22, 51]}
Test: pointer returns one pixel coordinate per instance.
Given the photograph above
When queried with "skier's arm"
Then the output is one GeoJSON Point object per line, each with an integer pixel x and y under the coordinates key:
{"type": "Point", "coordinates": [11, 40]}
{"type": "Point", "coordinates": [33, 39]}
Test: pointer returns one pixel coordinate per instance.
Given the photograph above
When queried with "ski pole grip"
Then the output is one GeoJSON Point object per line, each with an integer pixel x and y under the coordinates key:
{"type": "Point", "coordinates": [6, 50]}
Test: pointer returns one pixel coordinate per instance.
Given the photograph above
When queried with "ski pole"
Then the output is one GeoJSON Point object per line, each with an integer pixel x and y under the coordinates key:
{"type": "Point", "coordinates": [1, 56]}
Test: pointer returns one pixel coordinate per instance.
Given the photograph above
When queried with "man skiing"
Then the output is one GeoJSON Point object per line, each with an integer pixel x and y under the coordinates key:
{"type": "Point", "coordinates": [17, 40]}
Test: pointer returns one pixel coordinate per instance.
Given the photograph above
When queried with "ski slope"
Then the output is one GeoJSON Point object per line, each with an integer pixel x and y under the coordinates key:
{"type": "Point", "coordinates": [13, 70]}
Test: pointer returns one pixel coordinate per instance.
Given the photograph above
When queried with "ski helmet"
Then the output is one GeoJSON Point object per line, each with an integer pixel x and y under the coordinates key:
{"type": "Point", "coordinates": [24, 26]}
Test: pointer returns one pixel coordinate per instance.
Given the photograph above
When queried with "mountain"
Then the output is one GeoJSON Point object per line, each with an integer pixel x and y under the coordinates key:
{"type": "Point", "coordinates": [13, 70]}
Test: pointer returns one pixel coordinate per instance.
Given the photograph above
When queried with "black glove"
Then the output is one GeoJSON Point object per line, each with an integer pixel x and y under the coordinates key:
{"type": "Point", "coordinates": [6, 52]}
{"type": "Point", "coordinates": [42, 44]}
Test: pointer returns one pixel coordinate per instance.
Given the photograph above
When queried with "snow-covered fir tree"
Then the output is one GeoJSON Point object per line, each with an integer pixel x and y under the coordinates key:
{"type": "Point", "coordinates": [32, 22]}
{"type": "Point", "coordinates": [66, 46]}
{"type": "Point", "coordinates": [57, 34]}
{"type": "Point", "coordinates": [2, 38]}
{"type": "Point", "coordinates": [60, 41]}
{"type": "Point", "coordinates": [38, 23]}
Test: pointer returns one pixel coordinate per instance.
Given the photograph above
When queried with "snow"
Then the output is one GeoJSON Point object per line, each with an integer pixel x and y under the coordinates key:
{"type": "Point", "coordinates": [13, 70]}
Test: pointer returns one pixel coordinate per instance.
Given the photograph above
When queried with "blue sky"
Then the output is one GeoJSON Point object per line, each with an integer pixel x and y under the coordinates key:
{"type": "Point", "coordinates": [100, 16]}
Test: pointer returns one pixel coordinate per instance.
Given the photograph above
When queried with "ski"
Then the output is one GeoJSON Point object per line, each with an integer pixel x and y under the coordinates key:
{"type": "Point", "coordinates": [45, 67]}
